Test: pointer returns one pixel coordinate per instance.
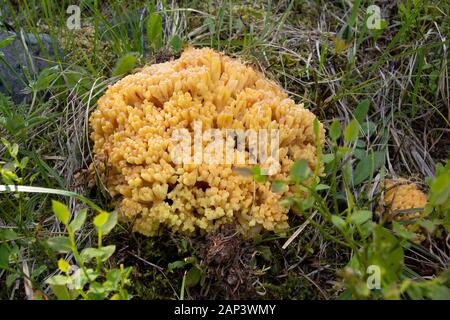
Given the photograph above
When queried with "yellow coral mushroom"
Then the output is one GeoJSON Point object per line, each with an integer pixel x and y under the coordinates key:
{"type": "Point", "coordinates": [403, 195]}
{"type": "Point", "coordinates": [133, 132]}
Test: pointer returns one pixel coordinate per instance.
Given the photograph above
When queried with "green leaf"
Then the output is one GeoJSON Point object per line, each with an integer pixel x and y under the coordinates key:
{"type": "Point", "coordinates": [176, 265]}
{"type": "Point", "coordinates": [257, 176]}
{"type": "Point", "coordinates": [61, 212]}
{"type": "Point", "coordinates": [307, 203]}
{"type": "Point", "coordinates": [320, 187]}
{"type": "Point", "coordinates": [4, 256]}
{"type": "Point", "coordinates": [8, 235]}
{"type": "Point", "coordinates": [327, 158]}
{"type": "Point", "coordinates": [368, 127]}
{"type": "Point", "coordinates": [58, 280]}
{"type": "Point", "coordinates": [45, 79]}
{"type": "Point", "coordinates": [193, 277]}
{"type": "Point", "coordinates": [361, 216]}
{"type": "Point", "coordinates": [359, 154]}
{"type": "Point", "coordinates": [265, 252]}
{"type": "Point", "coordinates": [316, 127]}
{"type": "Point", "coordinates": [335, 130]}
{"type": "Point", "coordinates": [11, 278]}
{"type": "Point", "coordinates": [300, 170]}
{"type": "Point", "coordinates": [79, 220]}
{"type": "Point", "coordinates": [361, 110]}
{"type": "Point", "coordinates": [176, 43]}
{"type": "Point", "coordinates": [7, 40]}
{"type": "Point", "coordinates": [114, 277]}
{"type": "Point", "coordinates": [101, 219]}
{"type": "Point", "coordinates": [401, 231]}
{"type": "Point", "coordinates": [440, 186]}
{"type": "Point", "coordinates": [428, 225]}
{"type": "Point", "coordinates": [154, 31]}
{"type": "Point", "coordinates": [386, 252]}
{"type": "Point", "coordinates": [351, 131]}
{"type": "Point", "coordinates": [80, 279]}
{"type": "Point", "coordinates": [277, 186]}
{"type": "Point", "coordinates": [60, 244]}
{"type": "Point", "coordinates": [125, 64]}
{"type": "Point", "coordinates": [104, 253]}
{"type": "Point", "coordinates": [110, 223]}
{"type": "Point", "coordinates": [438, 292]}
{"type": "Point", "coordinates": [62, 292]}
{"type": "Point", "coordinates": [367, 166]}
{"type": "Point", "coordinates": [338, 222]}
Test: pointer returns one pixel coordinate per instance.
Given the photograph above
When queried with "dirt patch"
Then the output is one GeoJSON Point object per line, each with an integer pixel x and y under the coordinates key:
{"type": "Point", "coordinates": [227, 258]}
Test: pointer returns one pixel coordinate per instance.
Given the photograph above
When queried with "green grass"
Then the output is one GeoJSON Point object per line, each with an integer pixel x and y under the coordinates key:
{"type": "Point", "coordinates": [324, 55]}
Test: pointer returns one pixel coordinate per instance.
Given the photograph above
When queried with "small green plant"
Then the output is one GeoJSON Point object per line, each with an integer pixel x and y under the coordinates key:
{"type": "Point", "coordinates": [89, 279]}
{"type": "Point", "coordinates": [375, 247]}
{"type": "Point", "coordinates": [192, 277]}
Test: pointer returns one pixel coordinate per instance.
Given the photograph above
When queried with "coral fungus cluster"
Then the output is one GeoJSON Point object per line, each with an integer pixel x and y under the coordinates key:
{"type": "Point", "coordinates": [400, 198]}
{"type": "Point", "coordinates": [133, 127]}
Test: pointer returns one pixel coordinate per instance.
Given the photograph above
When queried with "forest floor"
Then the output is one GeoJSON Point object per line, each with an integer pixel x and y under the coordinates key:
{"type": "Point", "coordinates": [342, 59]}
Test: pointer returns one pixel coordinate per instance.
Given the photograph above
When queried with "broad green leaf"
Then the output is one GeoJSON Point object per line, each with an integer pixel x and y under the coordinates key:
{"type": "Point", "coordinates": [101, 219]}
{"type": "Point", "coordinates": [45, 79]}
{"type": "Point", "coordinates": [60, 244]}
{"type": "Point", "coordinates": [440, 186]}
{"type": "Point", "coordinates": [307, 203]}
{"type": "Point", "coordinates": [11, 278]}
{"type": "Point", "coordinates": [110, 223]}
{"type": "Point", "coordinates": [125, 64]}
{"type": "Point", "coordinates": [277, 186]}
{"type": "Point", "coordinates": [367, 166]}
{"type": "Point", "coordinates": [114, 277]}
{"type": "Point", "coordinates": [176, 265]}
{"type": "Point", "coordinates": [338, 222]}
{"type": "Point", "coordinates": [438, 292]}
{"type": "Point", "coordinates": [327, 158]}
{"type": "Point", "coordinates": [320, 187]}
{"type": "Point", "coordinates": [104, 253]}
{"type": "Point", "coordinates": [61, 292]}
{"type": "Point", "coordinates": [176, 43]}
{"type": "Point", "coordinates": [335, 130]}
{"type": "Point", "coordinates": [428, 225]}
{"type": "Point", "coordinates": [4, 256]}
{"type": "Point", "coordinates": [359, 154]}
{"type": "Point", "coordinates": [78, 220]}
{"type": "Point", "coordinates": [401, 231]}
{"type": "Point", "coordinates": [193, 277]}
{"type": "Point", "coordinates": [300, 170]}
{"type": "Point", "coordinates": [8, 234]}
{"type": "Point", "coordinates": [61, 212]}
{"type": "Point", "coordinates": [58, 280]}
{"type": "Point", "coordinates": [368, 127]}
{"type": "Point", "coordinates": [386, 252]}
{"type": "Point", "coordinates": [361, 110]}
{"type": "Point", "coordinates": [80, 279]}
{"type": "Point", "coordinates": [351, 131]}
{"type": "Point", "coordinates": [361, 216]}
{"type": "Point", "coordinates": [154, 31]}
